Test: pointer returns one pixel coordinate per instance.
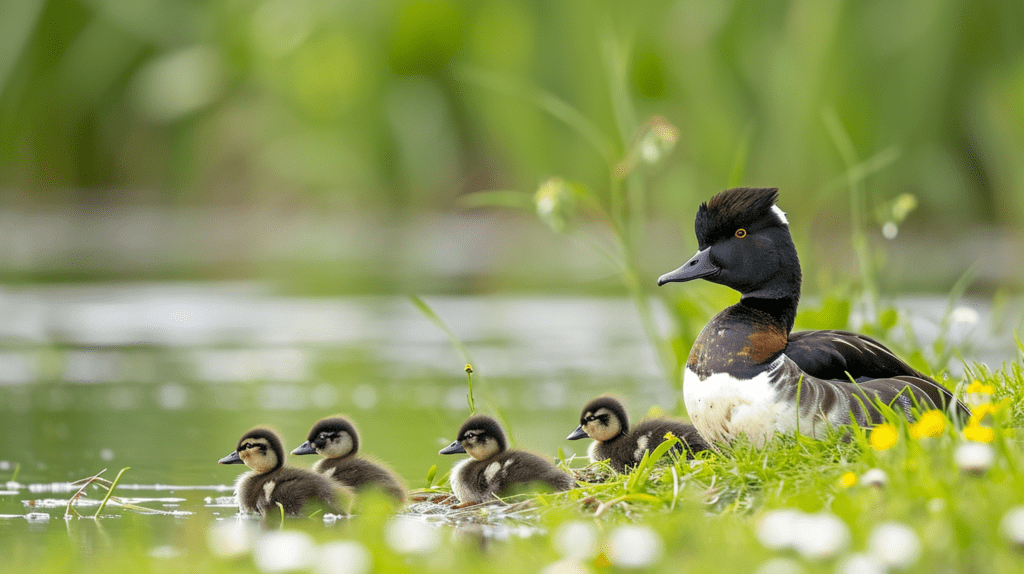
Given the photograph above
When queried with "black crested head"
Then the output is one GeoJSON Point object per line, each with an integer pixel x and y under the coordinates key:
{"type": "Point", "coordinates": [272, 439]}
{"type": "Point", "coordinates": [740, 207]}
{"type": "Point", "coordinates": [333, 426]}
{"type": "Point", "coordinates": [487, 426]}
{"type": "Point", "coordinates": [606, 402]}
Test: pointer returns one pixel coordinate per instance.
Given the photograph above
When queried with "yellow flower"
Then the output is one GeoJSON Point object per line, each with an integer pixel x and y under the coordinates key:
{"type": "Point", "coordinates": [883, 437]}
{"type": "Point", "coordinates": [669, 436]}
{"type": "Point", "coordinates": [978, 433]}
{"type": "Point", "coordinates": [978, 413]}
{"type": "Point", "coordinates": [931, 423]}
{"type": "Point", "coordinates": [847, 480]}
{"type": "Point", "coordinates": [977, 387]}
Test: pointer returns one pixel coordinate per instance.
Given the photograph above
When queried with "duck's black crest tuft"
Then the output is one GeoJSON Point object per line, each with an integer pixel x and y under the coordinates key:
{"type": "Point", "coordinates": [332, 425]}
{"type": "Point", "coordinates": [611, 403]}
{"type": "Point", "coordinates": [731, 209]}
{"type": "Point", "coordinates": [488, 425]}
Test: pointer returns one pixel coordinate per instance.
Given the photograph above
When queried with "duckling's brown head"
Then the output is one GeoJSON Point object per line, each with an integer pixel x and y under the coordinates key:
{"type": "Point", "coordinates": [602, 419]}
{"type": "Point", "coordinates": [480, 437]}
{"type": "Point", "coordinates": [332, 437]}
{"type": "Point", "coordinates": [259, 449]}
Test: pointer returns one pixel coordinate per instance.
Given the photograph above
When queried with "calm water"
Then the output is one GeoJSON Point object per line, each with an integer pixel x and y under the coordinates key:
{"type": "Point", "coordinates": [164, 378]}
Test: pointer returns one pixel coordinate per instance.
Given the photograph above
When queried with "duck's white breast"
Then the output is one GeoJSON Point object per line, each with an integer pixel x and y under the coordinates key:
{"type": "Point", "coordinates": [723, 407]}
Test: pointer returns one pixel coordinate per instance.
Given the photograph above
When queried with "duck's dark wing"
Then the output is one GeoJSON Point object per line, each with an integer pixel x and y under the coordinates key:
{"type": "Point", "coordinates": [831, 355]}
{"type": "Point", "coordinates": [839, 355]}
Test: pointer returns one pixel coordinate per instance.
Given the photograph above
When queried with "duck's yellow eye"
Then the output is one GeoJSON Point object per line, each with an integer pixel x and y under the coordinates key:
{"type": "Point", "coordinates": [741, 233]}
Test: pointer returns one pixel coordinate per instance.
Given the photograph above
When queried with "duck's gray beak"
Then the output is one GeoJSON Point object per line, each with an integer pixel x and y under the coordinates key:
{"type": "Point", "coordinates": [304, 448]}
{"type": "Point", "coordinates": [232, 458]}
{"type": "Point", "coordinates": [454, 448]}
{"type": "Point", "coordinates": [577, 434]}
{"type": "Point", "coordinates": [698, 266]}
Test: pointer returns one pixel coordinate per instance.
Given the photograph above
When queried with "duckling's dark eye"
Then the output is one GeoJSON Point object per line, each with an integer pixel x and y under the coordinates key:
{"type": "Point", "coordinates": [246, 446]}
{"type": "Point", "coordinates": [323, 436]}
{"type": "Point", "coordinates": [741, 233]}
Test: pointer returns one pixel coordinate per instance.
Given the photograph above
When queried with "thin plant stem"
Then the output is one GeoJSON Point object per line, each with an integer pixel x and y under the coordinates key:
{"type": "Point", "coordinates": [110, 491]}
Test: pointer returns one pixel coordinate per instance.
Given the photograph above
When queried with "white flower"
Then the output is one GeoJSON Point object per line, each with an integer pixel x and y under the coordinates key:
{"type": "Point", "coordinates": [576, 540]}
{"type": "Point", "coordinates": [895, 545]}
{"type": "Point", "coordinates": [821, 535]}
{"type": "Point", "coordinates": [975, 457]}
{"type": "Point", "coordinates": [231, 538]}
{"type": "Point", "coordinates": [283, 551]}
{"type": "Point", "coordinates": [777, 529]}
{"type": "Point", "coordinates": [634, 547]}
{"type": "Point", "coordinates": [1012, 525]}
{"type": "Point", "coordinates": [818, 535]}
{"type": "Point", "coordinates": [860, 564]}
{"type": "Point", "coordinates": [343, 557]}
{"type": "Point", "coordinates": [875, 477]}
{"type": "Point", "coordinates": [409, 536]}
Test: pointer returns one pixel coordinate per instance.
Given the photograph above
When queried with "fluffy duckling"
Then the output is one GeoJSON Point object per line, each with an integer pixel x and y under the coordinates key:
{"type": "Point", "coordinates": [492, 468]}
{"type": "Point", "coordinates": [604, 419]}
{"type": "Point", "coordinates": [270, 483]}
{"type": "Point", "coordinates": [336, 439]}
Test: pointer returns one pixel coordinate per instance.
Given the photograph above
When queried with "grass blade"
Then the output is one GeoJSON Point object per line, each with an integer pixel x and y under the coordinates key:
{"type": "Point", "coordinates": [110, 491]}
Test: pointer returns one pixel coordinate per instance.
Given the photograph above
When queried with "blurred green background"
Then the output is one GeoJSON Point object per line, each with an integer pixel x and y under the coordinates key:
{"type": "Point", "coordinates": [194, 195]}
{"type": "Point", "coordinates": [275, 139]}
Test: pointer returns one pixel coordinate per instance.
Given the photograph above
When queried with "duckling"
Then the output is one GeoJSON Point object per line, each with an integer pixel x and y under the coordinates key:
{"type": "Point", "coordinates": [336, 439]}
{"type": "Point", "coordinates": [270, 483]}
{"type": "Point", "coordinates": [492, 468]}
{"type": "Point", "coordinates": [604, 419]}
{"type": "Point", "coordinates": [748, 372]}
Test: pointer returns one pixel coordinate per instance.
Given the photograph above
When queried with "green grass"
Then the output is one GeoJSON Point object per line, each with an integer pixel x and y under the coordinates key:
{"type": "Point", "coordinates": [704, 514]}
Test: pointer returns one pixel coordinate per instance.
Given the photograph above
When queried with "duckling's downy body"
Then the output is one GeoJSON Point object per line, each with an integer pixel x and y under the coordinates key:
{"type": "Point", "coordinates": [492, 469]}
{"type": "Point", "coordinates": [604, 419]}
{"type": "Point", "coordinates": [269, 483]}
{"type": "Point", "coordinates": [336, 439]}
{"type": "Point", "coordinates": [747, 373]}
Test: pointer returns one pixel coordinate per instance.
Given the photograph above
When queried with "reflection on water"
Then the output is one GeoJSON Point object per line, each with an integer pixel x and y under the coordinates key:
{"type": "Point", "coordinates": [164, 378]}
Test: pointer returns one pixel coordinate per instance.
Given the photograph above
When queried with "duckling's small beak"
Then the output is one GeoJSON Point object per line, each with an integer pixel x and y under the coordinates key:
{"type": "Point", "coordinates": [577, 434]}
{"type": "Point", "coordinates": [698, 266]}
{"type": "Point", "coordinates": [454, 448]}
{"type": "Point", "coordinates": [232, 458]}
{"type": "Point", "coordinates": [304, 448]}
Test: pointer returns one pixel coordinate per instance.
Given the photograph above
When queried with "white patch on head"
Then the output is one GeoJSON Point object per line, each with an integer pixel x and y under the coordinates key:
{"type": "Point", "coordinates": [723, 407]}
{"type": "Point", "coordinates": [780, 214]}
{"type": "Point", "coordinates": [641, 446]}
{"type": "Point", "coordinates": [491, 471]}
{"type": "Point", "coordinates": [268, 489]}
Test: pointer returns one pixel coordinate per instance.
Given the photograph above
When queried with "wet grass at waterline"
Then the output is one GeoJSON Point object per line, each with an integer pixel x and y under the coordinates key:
{"type": "Point", "coordinates": [920, 497]}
